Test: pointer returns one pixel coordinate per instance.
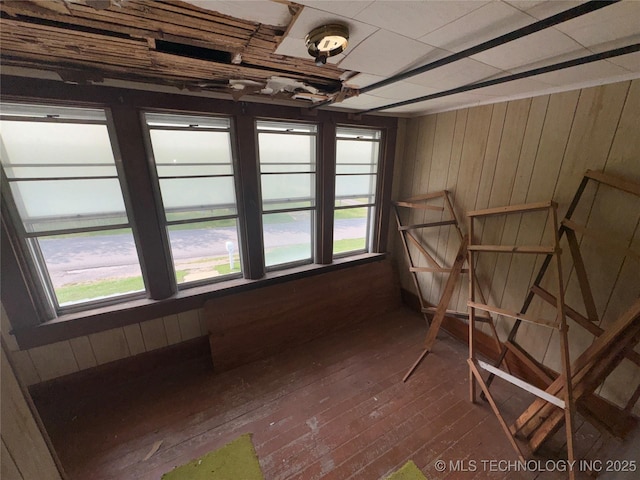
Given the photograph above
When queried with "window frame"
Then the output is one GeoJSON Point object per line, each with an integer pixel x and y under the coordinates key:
{"type": "Point", "coordinates": [314, 210]}
{"type": "Point", "coordinates": [372, 207]}
{"type": "Point", "coordinates": [161, 210]}
{"type": "Point", "coordinates": [33, 328]}
{"type": "Point", "coordinates": [33, 258]}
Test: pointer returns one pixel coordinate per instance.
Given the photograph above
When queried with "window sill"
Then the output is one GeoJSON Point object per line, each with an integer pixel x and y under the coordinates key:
{"type": "Point", "coordinates": [77, 324]}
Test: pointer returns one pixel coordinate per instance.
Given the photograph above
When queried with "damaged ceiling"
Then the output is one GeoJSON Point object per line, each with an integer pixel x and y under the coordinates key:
{"type": "Point", "coordinates": [255, 48]}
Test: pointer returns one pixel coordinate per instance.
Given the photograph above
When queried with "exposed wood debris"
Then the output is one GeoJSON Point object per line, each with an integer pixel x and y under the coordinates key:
{"type": "Point", "coordinates": [166, 42]}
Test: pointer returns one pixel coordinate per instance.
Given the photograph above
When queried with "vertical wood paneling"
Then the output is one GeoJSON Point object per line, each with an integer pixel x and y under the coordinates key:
{"type": "Point", "coordinates": [536, 150]}
{"type": "Point", "coordinates": [25, 369]}
{"type": "Point", "coordinates": [466, 189]}
{"type": "Point", "coordinates": [133, 334]}
{"type": "Point", "coordinates": [83, 352]}
{"type": "Point", "coordinates": [440, 159]}
{"type": "Point", "coordinates": [189, 324]}
{"type": "Point", "coordinates": [154, 334]}
{"type": "Point", "coordinates": [109, 345]}
{"type": "Point", "coordinates": [24, 443]}
{"type": "Point", "coordinates": [54, 360]}
{"type": "Point", "coordinates": [172, 328]}
{"type": "Point", "coordinates": [8, 468]}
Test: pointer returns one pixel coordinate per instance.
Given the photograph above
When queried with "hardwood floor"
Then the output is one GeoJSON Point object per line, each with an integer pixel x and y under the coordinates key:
{"type": "Point", "coordinates": [335, 408]}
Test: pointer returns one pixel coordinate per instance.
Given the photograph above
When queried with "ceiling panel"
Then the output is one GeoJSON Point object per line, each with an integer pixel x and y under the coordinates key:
{"type": "Point", "coordinates": [311, 18]}
{"type": "Point", "coordinates": [455, 74]}
{"type": "Point", "coordinates": [345, 8]}
{"type": "Point", "coordinates": [485, 23]}
{"type": "Point", "coordinates": [528, 50]}
{"type": "Point", "coordinates": [614, 22]}
{"type": "Point", "coordinates": [270, 13]}
{"type": "Point", "coordinates": [442, 104]}
{"type": "Point", "coordinates": [583, 73]}
{"type": "Point", "coordinates": [415, 18]}
{"type": "Point", "coordinates": [386, 37]}
{"type": "Point", "coordinates": [385, 53]}
{"type": "Point", "coordinates": [629, 62]}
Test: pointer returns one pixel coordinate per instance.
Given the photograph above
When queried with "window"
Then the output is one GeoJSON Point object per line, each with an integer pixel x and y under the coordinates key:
{"type": "Point", "coordinates": [357, 152]}
{"type": "Point", "coordinates": [59, 168]}
{"type": "Point", "coordinates": [194, 165]}
{"type": "Point", "coordinates": [288, 181]}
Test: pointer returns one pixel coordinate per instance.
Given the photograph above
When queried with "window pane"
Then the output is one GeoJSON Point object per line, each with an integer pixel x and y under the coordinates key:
{"type": "Point", "coordinates": [55, 143]}
{"type": "Point", "coordinates": [61, 171]}
{"type": "Point", "coordinates": [355, 185]}
{"type": "Point", "coordinates": [69, 203]}
{"type": "Point", "coordinates": [357, 153]}
{"type": "Point", "coordinates": [178, 170]}
{"type": "Point", "coordinates": [348, 151]}
{"type": "Point", "coordinates": [287, 149]}
{"type": "Point", "coordinates": [287, 237]}
{"type": "Point", "coordinates": [350, 230]}
{"type": "Point", "coordinates": [205, 250]}
{"type": "Point", "coordinates": [178, 147]}
{"type": "Point", "coordinates": [215, 195]}
{"type": "Point", "coordinates": [288, 191]}
{"type": "Point", "coordinates": [92, 266]}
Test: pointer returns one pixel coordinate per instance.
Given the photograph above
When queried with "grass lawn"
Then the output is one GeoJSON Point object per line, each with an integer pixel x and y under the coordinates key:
{"type": "Point", "coordinates": [103, 288]}
{"type": "Point", "coordinates": [117, 286]}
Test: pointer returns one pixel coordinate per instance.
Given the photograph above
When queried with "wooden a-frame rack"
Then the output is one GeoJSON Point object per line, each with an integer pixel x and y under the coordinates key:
{"type": "Point", "coordinates": [423, 202]}
{"type": "Point", "coordinates": [593, 366]}
{"type": "Point", "coordinates": [565, 400]}
{"type": "Point", "coordinates": [617, 422]}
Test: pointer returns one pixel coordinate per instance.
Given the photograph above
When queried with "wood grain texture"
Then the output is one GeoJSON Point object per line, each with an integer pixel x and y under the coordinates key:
{"type": "Point", "coordinates": [545, 146]}
{"type": "Point", "coordinates": [23, 445]}
{"type": "Point", "coordinates": [256, 324]}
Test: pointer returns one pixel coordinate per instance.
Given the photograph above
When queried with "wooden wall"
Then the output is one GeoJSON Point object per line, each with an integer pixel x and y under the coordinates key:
{"type": "Point", "coordinates": [55, 360]}
{"type": "Point", "coordinates": [249, 326]}
{"type": "Point", "coordinates": [25, 453]}
{"type": "Point", "coordinates": [531, 150]}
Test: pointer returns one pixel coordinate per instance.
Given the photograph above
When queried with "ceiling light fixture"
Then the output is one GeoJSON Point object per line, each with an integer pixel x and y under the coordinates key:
{"type": "Point", "coordinates": [327, 41]}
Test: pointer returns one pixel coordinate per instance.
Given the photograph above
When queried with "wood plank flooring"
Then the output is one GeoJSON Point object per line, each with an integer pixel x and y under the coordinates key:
{"type": "Point", "coordinates": [335, 408]}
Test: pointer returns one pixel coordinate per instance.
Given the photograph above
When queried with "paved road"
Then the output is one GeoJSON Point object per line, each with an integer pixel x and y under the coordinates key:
{"type": "Point", "coordinates": [81, 259]}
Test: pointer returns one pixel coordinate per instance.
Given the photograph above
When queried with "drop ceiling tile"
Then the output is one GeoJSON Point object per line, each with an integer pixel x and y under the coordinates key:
{"type": "Point", "coordinates": [455, 74]}
{"type": "Point", "coordinates": [345, 8]}
{"type": "Point", "coordinates": [270, 13]}
{"type": "Point", "coordinates": [583, 73]}
{"type": "Point", "coordinates": [415, 18]}
{"type": "Point", "coordinates": [385, 53]}
{"type": "Point", "coordinates": [613, 22]}
{"type": "Point", "coordinates": [454, 102]}
{"type": "Point", "coordinates": [630, 62]}
{"type": "Point", "coordinates": [309, 19]}
{"type": "Point", "coordinates": [516, 87]}
{"type": "Point", "coordinates": [525, 51]}
{"type": "Point", "coordinates": [395, 91]}
{"type": "Point", "coordinates": [402, 91]}
{"type": "Point", "coordinates": [525, 5]}
{"type": "Point", "coordinates": [546, 9]}
{"type": "Point", "coordinates": [485, 23]}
